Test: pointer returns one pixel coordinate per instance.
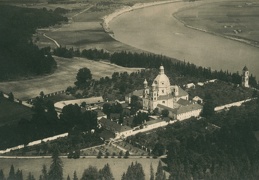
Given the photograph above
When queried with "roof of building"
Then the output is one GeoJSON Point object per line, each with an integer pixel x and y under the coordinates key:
{"type": "Point", "coordinates": [136, 93]}
{"type": "Point", "coordinates": [183, 102]}
{"type": "Point", "coordinates": [182, 92]}
{"type": "Point", "coordinates": [190, 85]}
{"type": "Point", "coordinates": [165, 107]}
{"type": "Point", "coordinates": [115, 115]}
{"type": "Point", "coordinates": [165, 97]}
{"type": "Point", "coordinates": [91, 100]}
{"type": "Point", "coordinates": [114, 125]}
{"type": "Point", "coordinates": [200, 83]}
{"type": "Point", "coordinates": [181, 109]}
{"type": "Point", "coordinates": [245, 69]}
{"type": "Point", "coordinates": [185, 109]}
{"type": "Point", "coordinates": [196, 98]}
{"type": "Point", "coordinates": [153, 121]}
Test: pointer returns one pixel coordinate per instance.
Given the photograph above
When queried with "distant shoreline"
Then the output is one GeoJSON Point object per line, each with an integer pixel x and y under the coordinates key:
{"type": "Point", "coordinates": [108, 18]}
{"type": "Point", "coordinates": [239, 39]}
{"type": "Point", "coordinates": [125, 9]}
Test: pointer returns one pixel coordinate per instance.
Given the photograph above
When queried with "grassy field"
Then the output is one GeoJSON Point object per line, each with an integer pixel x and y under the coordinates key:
{"type": "Point", "coordinates": [63, 77]}
{"type": "Point", "coordinates": [118, 166]}
{"type": "Point", "coordinates": [18, 112]}
{"type": "Point", "coordinates": [84, 29]}
{"type": "Point", "coordinates": [236, 19]}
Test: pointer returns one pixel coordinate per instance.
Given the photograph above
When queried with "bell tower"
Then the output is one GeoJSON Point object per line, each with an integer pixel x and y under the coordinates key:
{"type": "Point", "coordinates": [245, 77]}
{"type": "Point", "coordinates": [146, 89]}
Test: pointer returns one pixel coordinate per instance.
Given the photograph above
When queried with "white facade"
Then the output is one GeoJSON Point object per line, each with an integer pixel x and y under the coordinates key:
{"type": "Point", "coordinates": [245, 77]}
{"type": "Point", "coordinates": [161, 92]}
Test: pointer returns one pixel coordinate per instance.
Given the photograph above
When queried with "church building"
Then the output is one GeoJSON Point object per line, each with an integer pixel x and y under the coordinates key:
{"type": "Point", "coordinates": [161, 92]}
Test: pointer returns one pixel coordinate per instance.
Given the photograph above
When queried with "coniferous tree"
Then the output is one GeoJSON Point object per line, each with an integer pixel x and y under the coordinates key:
{"type": "Point", "coordinates": [68, 178]}
{"type": "Point", "coordinates": [152, 175]}
{"type": "Point", "coordinates": [135, 171]}
{"type": "Point", "coordinates": [30, 177]}
{"type": "Point", "coordinates": [127, 154]}
{"type": "Point", "coordinates": [159, 172]}
{"type": "Point", "coordinates": [19, 175]}
{"type": "Point", "coordinates": [75, 176]}
{"type": "Point", "coordinates": [105, 173]}
{"type": "Point", "coordinates": [11, 96]}
{"type": "Point", "coordinates": [11, 173]}
{"type": "Point", "coordinates": [91, 173]}
{"type": "Point", "coordinates": [123, 176]}
{"type": "Point", "coordinates": [2, 177]}
{"type": "Point", "coordinates": [44, 172]}
{"type": "Point", "coordinates": [56, 167]}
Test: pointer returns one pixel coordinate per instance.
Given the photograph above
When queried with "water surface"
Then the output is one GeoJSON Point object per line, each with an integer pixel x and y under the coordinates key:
{"type": "Point", "coordinates": [155, 29]}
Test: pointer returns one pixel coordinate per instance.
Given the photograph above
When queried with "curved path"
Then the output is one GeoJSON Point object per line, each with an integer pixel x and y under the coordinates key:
{"type": "Point", "coordinates": [155, 29]}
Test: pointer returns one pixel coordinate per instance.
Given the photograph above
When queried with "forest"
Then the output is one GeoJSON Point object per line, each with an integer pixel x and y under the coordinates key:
{"type": "Point", "coordinates": [150, 61]}
{"type": "Point", "coordinates": [222, 146]}
{"type": "Point", "coordinates": [18, 55]}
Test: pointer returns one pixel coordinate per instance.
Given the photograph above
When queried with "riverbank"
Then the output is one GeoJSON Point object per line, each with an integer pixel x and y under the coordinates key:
{"type": "Point", "coordinates": [187, 12]}
{"type": "Point", "coordinates": [125, 9]}
{"type": "Point", "coordinates": [159, 32]}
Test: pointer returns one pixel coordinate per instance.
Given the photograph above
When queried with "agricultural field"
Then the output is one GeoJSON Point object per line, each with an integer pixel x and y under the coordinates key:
{"type": "Point", "coordinates": [235, 19]}
{"type": "Point", "coordinates": [18, 112]}
{"type": "Point", "coordinates": [84, 29]}
{"type": "Point", "coordinates": [118, 166]}
{"type": "Point", "coordinates": [64, 76]}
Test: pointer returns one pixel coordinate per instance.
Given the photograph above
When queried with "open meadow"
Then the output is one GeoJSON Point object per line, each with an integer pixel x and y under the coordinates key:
{"type": "Point", "coordinates": [118, 166]}
{"type": "Point", "coordinates": [64, 76]}
{"type": "Point", "coordinates": [236, 19]}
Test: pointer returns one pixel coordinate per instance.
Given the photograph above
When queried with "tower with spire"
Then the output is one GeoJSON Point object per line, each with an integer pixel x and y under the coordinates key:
{"type": "Point", "coordinates": [245, 77]}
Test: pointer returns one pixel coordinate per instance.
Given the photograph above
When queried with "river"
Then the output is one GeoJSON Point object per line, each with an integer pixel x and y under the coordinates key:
{"type": "Point", "coordinates": [156, 30]}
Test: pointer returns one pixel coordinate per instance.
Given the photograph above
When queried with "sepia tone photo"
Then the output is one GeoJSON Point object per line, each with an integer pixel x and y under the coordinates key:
{"type": "Point", "coordinates": [129, 89]}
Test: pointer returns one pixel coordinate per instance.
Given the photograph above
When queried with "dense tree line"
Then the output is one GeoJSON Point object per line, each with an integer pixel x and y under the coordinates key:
{"type": "Point", "coordinates": [128, 59]}
{"type": "Point", "coordinates": [147, 60]}
{"type": "Point", "coordinates": [93, 54]}
{"type": "Point", "coordinates": [18, 55]}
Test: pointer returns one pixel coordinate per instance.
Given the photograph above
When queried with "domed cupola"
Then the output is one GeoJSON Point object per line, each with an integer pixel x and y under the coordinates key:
{"type": "Point", "coordinates": [162, 82]}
